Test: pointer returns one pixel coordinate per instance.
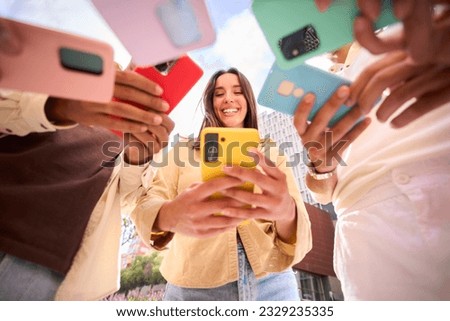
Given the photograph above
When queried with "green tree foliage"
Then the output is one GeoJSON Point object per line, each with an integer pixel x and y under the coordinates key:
{"type": "Point", "coordinates": [143, 271]}
{"type": "Point", "coordinates": [128, 230]}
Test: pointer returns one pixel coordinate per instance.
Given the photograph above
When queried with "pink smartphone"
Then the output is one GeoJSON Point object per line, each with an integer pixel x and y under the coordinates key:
{"type": "Point", "coordinates": [158, 30]}
{"type": "Point", "coordinates": [58, 64]}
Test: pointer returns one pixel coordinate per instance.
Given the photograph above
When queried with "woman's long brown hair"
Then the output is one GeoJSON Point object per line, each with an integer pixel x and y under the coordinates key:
{"type": "Point", "coordinates": [211, 119]}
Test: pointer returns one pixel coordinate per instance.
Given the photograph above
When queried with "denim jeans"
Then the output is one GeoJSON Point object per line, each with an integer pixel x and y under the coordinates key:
{"type": "Point", "coordinates": [21, 280]}
{"type": "Point", "coordinates": [273, 287]}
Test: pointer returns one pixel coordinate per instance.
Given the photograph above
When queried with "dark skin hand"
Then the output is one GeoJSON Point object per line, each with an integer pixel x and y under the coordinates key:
{"type": "Point", "coordinates": [148, 127]}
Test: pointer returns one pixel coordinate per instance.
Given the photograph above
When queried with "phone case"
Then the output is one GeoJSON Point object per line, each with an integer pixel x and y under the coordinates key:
{"type": "Point", "coordinates": [179, 22]}
{"type": "Point", "coordinates": [179, 78]}
{"type": "Point", "coordinates": [58, 64]}
{"type": "Point", "coordinates": [158, 30]}
{"type": "Point", "coordinates": [284, 89]}
{"type": "Point", "coordinates": [221, 146]}
{"type": "Point", "coordinates": [297, 30]}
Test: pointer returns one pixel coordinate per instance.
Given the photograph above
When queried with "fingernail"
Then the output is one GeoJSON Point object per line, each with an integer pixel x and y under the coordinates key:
{"type": "Point", "coordinates": [343, 92]}
{"type": "Point", "coordinates": [157, 120]}
{"type": "Point", "coordinates": [309, 98]}
{"type": "Point", "coordinates": [321, 6]}
{"type": "Point", "coordinates": [165, 105]}
{"type": "Point", "coordinates": [158, 91]}
{"type": "Point", "coordinates": [143, 129]}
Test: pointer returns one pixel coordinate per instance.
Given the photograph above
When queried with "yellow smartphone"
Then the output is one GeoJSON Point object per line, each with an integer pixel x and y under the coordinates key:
{"type": "Point", "coordinates": [220, 146]}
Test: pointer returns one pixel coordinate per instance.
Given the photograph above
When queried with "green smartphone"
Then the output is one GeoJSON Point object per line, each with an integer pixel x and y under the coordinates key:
{"type": "Point", "coordinates": [297, 30]}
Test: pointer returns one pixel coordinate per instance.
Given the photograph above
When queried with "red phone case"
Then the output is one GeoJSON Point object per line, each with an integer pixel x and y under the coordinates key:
{"type": "Point", "coordinates": [182, 76]}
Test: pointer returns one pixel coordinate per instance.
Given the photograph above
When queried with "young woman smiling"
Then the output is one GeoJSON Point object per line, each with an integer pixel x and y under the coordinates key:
{"type": "Point", "coordinates": [214, 257]}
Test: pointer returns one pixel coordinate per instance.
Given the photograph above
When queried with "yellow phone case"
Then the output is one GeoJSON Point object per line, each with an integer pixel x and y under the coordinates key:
{"type": "Point", "coordinates": [221, 146]}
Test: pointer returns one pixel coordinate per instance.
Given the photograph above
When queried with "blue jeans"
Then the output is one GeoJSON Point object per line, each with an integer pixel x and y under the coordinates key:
{"type": "Point", "coordinates": [22, 280]}
{"type": "Point", "coordinates": [273, 287]}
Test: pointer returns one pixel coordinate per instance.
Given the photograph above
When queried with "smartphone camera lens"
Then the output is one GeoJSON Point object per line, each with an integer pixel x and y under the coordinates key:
{"type": "Point", "coordinates": [299, 43]}
{"type": "Point", "coordinates": [81, 61]}
{"type": "Point", "coordinates": [211, 148]}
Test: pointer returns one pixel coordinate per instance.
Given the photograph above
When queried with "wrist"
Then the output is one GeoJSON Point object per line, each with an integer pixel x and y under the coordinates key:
{"type": "Point", "coordinates": [162, 222]}
{"type": "Point", "coordinates": [138, 161]}
{"type": "Point", "coordinates": [54, 111]}
{"type": "Point", "coordinates": [286, 228]}
{"type": "Point", "coordinates": [320, 175]}
{"type": "Point", "coordinates": [292, 213]}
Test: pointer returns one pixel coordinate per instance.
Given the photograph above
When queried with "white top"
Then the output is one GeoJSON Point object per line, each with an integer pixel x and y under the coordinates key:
{"type": "Point", "coordinates": [381, 148]}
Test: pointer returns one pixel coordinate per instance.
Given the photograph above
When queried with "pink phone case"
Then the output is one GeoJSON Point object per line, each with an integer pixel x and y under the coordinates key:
{"type": "Point", "coordinates": [158, 30]}
{"type": "Point", "coordinates": [178, 81]}
{"type": "Point", "coordinates": [39, 66]}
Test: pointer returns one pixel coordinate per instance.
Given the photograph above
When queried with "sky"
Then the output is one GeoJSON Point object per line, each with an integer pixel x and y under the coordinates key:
{"type": "Point", "coordinates": [239, 43]}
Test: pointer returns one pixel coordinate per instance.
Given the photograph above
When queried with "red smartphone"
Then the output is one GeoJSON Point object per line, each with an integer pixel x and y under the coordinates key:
{"type": "Point", "coordinates": [176, 78]}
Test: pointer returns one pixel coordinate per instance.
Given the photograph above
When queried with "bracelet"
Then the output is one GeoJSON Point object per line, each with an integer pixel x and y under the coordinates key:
{"type": "Point", "coordinates": [319, 176]}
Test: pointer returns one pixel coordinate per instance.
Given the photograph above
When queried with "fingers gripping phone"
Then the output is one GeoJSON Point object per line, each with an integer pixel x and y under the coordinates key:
{"type": "Point", "coordinates": [176, 78]}
{"type": "Point", "coordinates": [284, 89]}
{"type": "Point", "coordinates": [220, 147]}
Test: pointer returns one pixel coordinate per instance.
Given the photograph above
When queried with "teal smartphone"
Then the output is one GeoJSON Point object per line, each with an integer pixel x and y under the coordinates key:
{"type": "Point", "coordinates": [284, 89]}
{"type": "Point", "coordinates": [297, 30]}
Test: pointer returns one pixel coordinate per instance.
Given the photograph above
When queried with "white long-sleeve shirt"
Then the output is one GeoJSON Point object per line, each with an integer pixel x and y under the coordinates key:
{"type": "Point", "coordinates": [381, 148]}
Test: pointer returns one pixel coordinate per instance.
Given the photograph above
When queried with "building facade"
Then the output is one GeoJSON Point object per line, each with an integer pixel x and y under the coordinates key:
{"type": "Point", "coordinates": [315, 274]}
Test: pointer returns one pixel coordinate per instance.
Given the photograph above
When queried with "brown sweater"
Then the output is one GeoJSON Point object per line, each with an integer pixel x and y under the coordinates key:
{"type": "Point", "coordinates": [49, 185]}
